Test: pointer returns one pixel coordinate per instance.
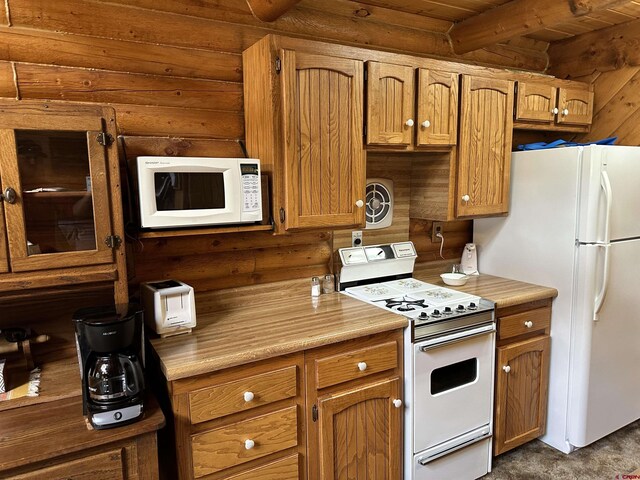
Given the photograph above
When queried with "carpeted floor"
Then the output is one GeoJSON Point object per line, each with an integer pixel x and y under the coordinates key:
{"type": "Point", "coordinates": [616, 454]}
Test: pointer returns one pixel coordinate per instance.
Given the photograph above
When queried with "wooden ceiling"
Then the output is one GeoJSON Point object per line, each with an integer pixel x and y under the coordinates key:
{"type": "Point", "coordinates": [472, 25]}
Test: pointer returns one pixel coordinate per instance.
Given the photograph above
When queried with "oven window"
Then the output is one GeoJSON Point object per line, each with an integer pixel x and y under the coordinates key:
{"type": "Point", "coordinates": [454, 375]}
{"type": "Point", "coordinates": [189, 191]}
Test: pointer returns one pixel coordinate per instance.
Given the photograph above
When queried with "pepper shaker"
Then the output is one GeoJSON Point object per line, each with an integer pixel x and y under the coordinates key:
{"type": "Point", "coordinates": [327, 284]}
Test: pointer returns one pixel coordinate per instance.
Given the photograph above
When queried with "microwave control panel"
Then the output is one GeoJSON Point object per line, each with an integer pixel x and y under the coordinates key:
{"type": "Point", "coordinates": [250, 187]}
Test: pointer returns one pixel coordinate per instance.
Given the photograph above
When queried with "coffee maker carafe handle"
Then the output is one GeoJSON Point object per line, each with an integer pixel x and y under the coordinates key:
{"type": "Point", "coordinates": [131, 365]}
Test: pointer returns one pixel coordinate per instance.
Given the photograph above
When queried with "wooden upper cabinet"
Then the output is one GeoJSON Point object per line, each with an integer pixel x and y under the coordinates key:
{"type": "Point", "coordinates": [521, 392]}
{"type": "Point", "coordinates": [324, 156]}
{"type": "Point", "coordinates": [390, 104]}
{"type": "Point", "coordinates": [575, 106]}
{"type": "Point", "coordinates": [536, 102]}
{"type": "Point", "coordinates": [437, 119]}
{"type": "Point", "coordinates": [486, 127]}
{"type": "Point", "coordinates": [345, 450]}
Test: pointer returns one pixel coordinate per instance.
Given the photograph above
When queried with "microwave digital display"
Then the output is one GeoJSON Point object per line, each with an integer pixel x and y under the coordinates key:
{"type": "Point", "coordinates": [189, 191]}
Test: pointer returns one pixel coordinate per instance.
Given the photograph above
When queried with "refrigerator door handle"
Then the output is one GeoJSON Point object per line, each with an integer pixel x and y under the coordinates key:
{"type": "Point", "coordinates": [599, 300]}
{"type": "Point", "coordinates": [606, 187]}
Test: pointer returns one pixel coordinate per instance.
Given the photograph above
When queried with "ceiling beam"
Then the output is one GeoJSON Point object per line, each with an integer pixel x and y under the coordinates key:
{"type": "Point", "coordinates": [270, 10]}
{"type": "Point", "coordinates": [607, 49]}
{"type": "Point", "coordinates": [518, 18]}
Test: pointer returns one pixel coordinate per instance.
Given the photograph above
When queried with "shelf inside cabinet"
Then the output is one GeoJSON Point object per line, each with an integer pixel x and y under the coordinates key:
{"type": "Point", "coordinates": [71, 194]}
{"type": "Point", "coordinates": [205, 231]}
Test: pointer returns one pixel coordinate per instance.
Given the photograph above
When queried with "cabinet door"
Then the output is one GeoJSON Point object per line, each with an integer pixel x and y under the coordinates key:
{"type": "Point", "coordinates": [360, 433]}
{"type": "Point", "coordinates": [325, 159]}
{"type": "Point", "coordinates": [60, 216]}
{"type": "Point", "coordinates": [576, 106]}
{"type": "Point", "coordinates": [536, 102]}
{"type": "Point", "coordinates": [437, 108]}
{"type": "Point", "coordinates": [521, 393]}
{"type": "Point", "coordinates": [390, 104]}
{"type": "Point", "coordinates": [486, 127]}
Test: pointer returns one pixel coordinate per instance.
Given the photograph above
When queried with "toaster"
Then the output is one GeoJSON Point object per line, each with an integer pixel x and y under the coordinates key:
{"type": "Point", "coordinates": [169, 307]}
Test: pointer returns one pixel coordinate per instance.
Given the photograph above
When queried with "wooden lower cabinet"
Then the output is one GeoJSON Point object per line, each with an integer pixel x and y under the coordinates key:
{"type": "Point", "coordinates": [329, 413]}
{"type": "Point", "coordinates": [522, 377]}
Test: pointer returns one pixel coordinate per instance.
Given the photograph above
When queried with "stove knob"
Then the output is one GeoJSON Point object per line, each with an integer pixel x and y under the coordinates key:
{"type": "Point", "coordinates": [472, 306]}
{"type": "Point", "coordinates": [435, 313]}
{"type": "Point", "coordinates": [423, 315]}
{"type": "Point", "coordinates": [447, 311]}
{"type": "Point", "coordinates": [460, 308]}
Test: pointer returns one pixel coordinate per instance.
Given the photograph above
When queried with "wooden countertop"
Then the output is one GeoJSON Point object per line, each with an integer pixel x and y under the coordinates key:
{"type": "Point", "coordinates": [256, 323]}
{"type": "Point", "coordinates": [503, 291]}
{"type": "Point", "coordinates": [242, 325]}
{"type": "Point", "coordinates": [39, 432]}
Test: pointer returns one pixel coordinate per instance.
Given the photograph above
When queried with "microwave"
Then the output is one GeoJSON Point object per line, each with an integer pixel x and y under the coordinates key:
{"type": "Point", "coordinates": [198, 191]}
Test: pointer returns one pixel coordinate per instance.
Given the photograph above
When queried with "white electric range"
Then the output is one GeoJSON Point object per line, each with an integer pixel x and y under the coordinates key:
{"type": "Point", "coordinates": [448, 361]}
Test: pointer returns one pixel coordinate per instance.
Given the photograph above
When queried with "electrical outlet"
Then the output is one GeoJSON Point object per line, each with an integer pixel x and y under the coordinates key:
{"type": "Point", "coordinates": [436, 228]}
{"type": "Point", "coordinates": [356, 238]}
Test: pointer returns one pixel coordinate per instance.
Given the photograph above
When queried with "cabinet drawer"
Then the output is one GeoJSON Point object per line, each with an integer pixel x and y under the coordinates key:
{"type": "Point", "coordinates": [224, 399]}
{"type": "Point", "coordinates": [284, 469]}
{"type": "Point", "coordinates": [356, 364]}
{"type": "Point", "coordinates": [525, 322]}
{"type": "Point", "coordinates": [103, 466]}
{"type": "Point", "coordinates": [225, 447]}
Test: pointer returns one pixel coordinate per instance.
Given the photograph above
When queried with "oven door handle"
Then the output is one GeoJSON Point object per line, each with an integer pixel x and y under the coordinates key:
{"type": "Point", "coordinates": [483, 434]}
{"type": "Point", "coordinates": [457, 337]}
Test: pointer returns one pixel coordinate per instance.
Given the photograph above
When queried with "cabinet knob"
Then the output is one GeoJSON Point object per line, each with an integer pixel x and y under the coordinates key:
{"type": "Point", "coordinates": [248, 396]}
{"type": "Point", "coordinates": [565, 112]}
{"type": "Point", "coordinates": [528, 324]}
{"type": "Point", "coordinates": [9, 195]}
{"type": "Point", "coordinates": [362, 366]}
{"type": "Point", "coordinates": [249, 444]}
{"type": "Point", "coordinates": [465, 198]}
{"type": "Point", "coordinates": [426, 124]}
{"type": "Point", "coordinates": [555, 111]}
{"type": "Point", "coordinates": [409, 123]}
{"type": "Point", "coordinates": [397, 403]}
{"type": "Point", "coordinates": [359, 204]}
{"type": "Point", "coordinates": [506, 368]}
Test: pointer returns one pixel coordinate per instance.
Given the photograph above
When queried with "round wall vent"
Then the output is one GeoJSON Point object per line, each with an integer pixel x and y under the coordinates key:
{"type": "Point", "coordinates": [379, 208]}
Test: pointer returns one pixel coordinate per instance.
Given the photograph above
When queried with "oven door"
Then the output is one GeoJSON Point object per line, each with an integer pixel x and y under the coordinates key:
{"type": "Point", "coordinates": [452, 385]}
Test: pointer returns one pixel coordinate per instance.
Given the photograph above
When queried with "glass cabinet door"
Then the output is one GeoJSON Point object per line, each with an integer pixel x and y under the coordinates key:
{"type": "Point", "coordinates": [56, 199]}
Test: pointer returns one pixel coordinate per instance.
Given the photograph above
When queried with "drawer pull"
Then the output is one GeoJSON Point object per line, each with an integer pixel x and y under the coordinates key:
{"type": "Point", "coordinates": [362, 366]}
{"type": "Point", "coordinates": [506, 368]}
{"type": "Point", "coordinates": [397, 403]}
{"type": "Point", "coordinates": [528, 324]}
{"type": "Point", "coordinates": [248, 396]}
{"type": "Point", "coordinates": [249, 444]}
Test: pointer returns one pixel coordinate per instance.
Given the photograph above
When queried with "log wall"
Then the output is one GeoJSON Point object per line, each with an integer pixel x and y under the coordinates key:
{"type": "Point", "coordinates": [173, 69]}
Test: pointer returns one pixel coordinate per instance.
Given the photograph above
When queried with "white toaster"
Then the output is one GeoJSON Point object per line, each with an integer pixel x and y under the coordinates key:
{"type": "Point", "coordinates": [169, 307]}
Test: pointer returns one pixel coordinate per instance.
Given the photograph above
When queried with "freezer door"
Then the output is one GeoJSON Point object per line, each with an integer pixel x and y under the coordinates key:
{"type": "Point", "coordinates": [609, 194]}
{"type": "Point", "coordinates": [604, 388]}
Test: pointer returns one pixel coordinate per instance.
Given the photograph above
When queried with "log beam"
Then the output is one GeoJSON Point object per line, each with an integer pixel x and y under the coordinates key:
{"type": "Point", "coordinates": [518, 18]}
{"type": "Point", "coordinates": [607, 49]}
{"type": "Point", "coordinates": [270, 10]}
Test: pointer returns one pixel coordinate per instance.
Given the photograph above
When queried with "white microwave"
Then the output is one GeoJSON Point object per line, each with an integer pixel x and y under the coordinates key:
{"type": "Point", "coordinates": [198, 191]}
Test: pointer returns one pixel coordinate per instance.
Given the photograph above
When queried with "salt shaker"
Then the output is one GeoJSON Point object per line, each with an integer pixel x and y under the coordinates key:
{"type": "Point", "coordinates": [315, 287]}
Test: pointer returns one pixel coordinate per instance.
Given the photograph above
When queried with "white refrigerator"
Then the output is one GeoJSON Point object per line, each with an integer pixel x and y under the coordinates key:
{"type": "Point", "coordinates": [574, 224]}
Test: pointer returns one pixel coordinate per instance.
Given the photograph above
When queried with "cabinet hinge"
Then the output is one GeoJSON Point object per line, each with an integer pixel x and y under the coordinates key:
{"type": "Point", "coordinates": [282, 215]}
{"type": "Point", "coordinates": [314, 413]}
{"type": "Point", "coordinates": [364, 130]}
{"type": "Point", "coordinates": [113, 241]}
{"type": "Point", "coordinates": [104, 139]}
{"type": "Point", "coordinates": [278, 65]}
{"type": "Point", "coordinates": [366, 76]}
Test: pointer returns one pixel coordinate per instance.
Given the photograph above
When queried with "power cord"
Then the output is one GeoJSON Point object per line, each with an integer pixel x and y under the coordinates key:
{"type": "Point", "coordinates": [439, 235]}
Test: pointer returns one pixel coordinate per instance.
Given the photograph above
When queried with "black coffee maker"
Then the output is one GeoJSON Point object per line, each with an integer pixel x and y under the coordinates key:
{"type": "Point", "coordinates": [110, 343]}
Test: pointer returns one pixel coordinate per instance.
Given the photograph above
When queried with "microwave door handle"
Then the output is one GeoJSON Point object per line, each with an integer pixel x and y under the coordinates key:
{"type": "Point", "coordinates": [602, 293]}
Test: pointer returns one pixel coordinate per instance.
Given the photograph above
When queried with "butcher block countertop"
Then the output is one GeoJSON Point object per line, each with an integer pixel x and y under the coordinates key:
{"type": "Point", "coordinates": [241, 325]}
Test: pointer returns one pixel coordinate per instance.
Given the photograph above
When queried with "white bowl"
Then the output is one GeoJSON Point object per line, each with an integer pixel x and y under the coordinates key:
{"type": "Point", "coordinates": [455, 279]}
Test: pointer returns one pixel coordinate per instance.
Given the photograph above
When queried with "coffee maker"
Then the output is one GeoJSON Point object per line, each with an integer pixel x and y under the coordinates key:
{"type": "Point", "coordinates": [109, 340]}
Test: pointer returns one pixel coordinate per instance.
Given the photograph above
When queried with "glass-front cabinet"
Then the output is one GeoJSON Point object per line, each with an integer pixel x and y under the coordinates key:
{"type": "Point", "coordinates": [54, 179]}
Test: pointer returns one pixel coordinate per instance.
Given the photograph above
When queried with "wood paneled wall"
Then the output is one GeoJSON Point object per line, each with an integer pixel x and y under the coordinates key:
{"type": "Point", "coordinates": [174, 69]}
